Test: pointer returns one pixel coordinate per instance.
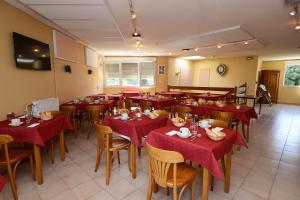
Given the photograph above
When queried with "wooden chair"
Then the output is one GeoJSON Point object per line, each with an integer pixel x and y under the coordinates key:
{"type": "Point", "coordinates": [145, 105]}
{"type": "Point", "coordinates": [95, 113]}
{"type": "Point", "coordinates": [183, 111]}
{"type": "Point", "coordinates": [128, 104]}
{"type": "Point", "coordinates": [14, 157]}
{"type": "Point", "coordinates": [221, 124]}
{"type": "Point", "coordinates": [52, 141]}
{"type": "Point", "coordinates": [162, 112]}
{"type": "Point", "coordinates": [228, 117]}
{"type": "Point", "coordinates": [110, 144]}
{"type": "Point", "coordinates": [168, 170]}
{"type": "Point", "coordinates": [70, 112]}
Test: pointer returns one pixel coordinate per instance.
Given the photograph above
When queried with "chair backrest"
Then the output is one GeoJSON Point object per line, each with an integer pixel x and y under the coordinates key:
{"type": "Point", "coordinates": [159, 163]}
{"type": "Point", "coordinates": [104, 134]}
{"type": "Point", "coordinates": [183, 111]}
{"type": "Point", "coordinates": [120, 104]}
{"type": "Point", "coordinates": [4, 141]}
{"type": "Point", "coordinates": [224, 116]}
{"type": "Point", "coordinates": [69, 111]}
{"type": "Point", "coordinates": [56, 113]}
{"type": "Point", "coordinates": [218, 123]}
{"type": "Point", "coordinates": [145, 105]}
{"type": "Point", "coordinates": [162, 112]}
{"type": "Point", "coordinates": [128, 103]}
{"type": "Point", "coordinates": [94, 112]}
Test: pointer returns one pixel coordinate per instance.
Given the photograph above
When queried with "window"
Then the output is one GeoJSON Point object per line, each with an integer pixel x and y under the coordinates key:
{"type": "Point", "coordinates": [147, 70]}
{"type": "Point", "coordinates": [112, 74]}
{"type": "Point", "coordinates": [130, 74]}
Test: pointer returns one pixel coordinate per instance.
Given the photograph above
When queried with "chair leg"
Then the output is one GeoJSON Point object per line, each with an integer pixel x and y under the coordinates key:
{"type": "Point", "coordinates": [31, 167]}
{"type": "Point", "coordinates": [212, 183]}
{"type": "Point", "coordinates": [129, 159]}
{"type": "Point", "coordinates": [118, 154]}
{"type": "Point", "coordinates": [193, 190]}
{"type": "Point", "coordinates": [108, 162]}
{"type": "Point", "coordinates": [168, 191]}
{"type": "Point", "coordinates": [52, 156]}
{"type": "Point", "coordinates": [223, 164]}
{"type": "Point", "coordinates": [66, 148]}
{"type": "Point", "coordinates": [149, 192]}
{"type": "Point", "coordinates": [174, 193]}
{"type": "Point", "coordinates": [98, 160]}
{"type": "Point", "coordinates": [139, 151]}
{"type": "Point", "coordinates": [12, 182]}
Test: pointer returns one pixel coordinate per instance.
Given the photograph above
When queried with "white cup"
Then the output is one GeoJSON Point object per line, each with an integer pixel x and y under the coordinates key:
{"type": "Point", "coordinates": [204, 123]}
{"type": "Point", "coordinates": [184, 132]}
{"type": "Point", "coordinates": [124, 116]}
{"type": "Point", "coordinates": [147, 112]}
{"type": "Point", "coordinates": [15, 121]}
{"type": "Point", "coordinates": [138, 114]}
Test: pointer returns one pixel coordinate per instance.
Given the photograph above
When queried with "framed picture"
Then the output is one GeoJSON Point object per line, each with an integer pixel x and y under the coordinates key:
{"type": "Point", "coordinates": [292, 74]}
{"type": "Point", "coordinates": [161, 69]}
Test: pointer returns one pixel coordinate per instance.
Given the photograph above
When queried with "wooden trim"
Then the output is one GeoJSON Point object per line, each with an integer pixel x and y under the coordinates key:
{"type": "Point", "coordinates": [227, 89]}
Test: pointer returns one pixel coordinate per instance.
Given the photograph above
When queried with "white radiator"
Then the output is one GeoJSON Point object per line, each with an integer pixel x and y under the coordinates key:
{"type": "Point", "coordinates": [44, 105]}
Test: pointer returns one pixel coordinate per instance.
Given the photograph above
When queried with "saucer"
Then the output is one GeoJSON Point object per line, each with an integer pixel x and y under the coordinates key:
{"type": "Point", "coordinates": [16, 124]}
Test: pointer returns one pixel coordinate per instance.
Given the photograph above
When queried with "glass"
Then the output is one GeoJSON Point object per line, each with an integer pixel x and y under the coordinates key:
{"type": "Point", "coordinates": [194, 127]}
{"type": "Point", "coordinates": [28, 117]}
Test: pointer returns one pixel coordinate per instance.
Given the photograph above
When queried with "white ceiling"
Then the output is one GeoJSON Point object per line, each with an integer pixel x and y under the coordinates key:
{"type": "Point", "coordinates": [170, 25]}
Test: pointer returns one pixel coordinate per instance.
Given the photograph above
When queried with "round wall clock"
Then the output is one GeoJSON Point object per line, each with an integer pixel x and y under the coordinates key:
{"type": "Point", "coordinates": [221, 69]}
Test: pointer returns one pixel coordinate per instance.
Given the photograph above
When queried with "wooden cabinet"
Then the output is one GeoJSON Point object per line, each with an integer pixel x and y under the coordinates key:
{"type": "Point", "coordinates": [270, 78]}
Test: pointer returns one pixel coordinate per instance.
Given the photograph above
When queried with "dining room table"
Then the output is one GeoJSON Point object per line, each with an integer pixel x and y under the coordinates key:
{"type": "Point", "coordinates": [37, 133]}
{"type": "Point", "coordinates": [244, 113]}
{"type": "Point", "coordinates": [135, 129]}
{"type": "Point", "coordinates": [200, 149]}
{"type": "Point", "coordinates": [157, 102]}
{"type": "Point", "coordinates": [115, 97]}
{"type": "Point", "coordinates": [208, 96]}
{"type": "Point", "coordinates": [131, 93]}
{"type": "Point", "coordinates": [174, 94]}
{"type": "Point", "coordinates": [82, 105]}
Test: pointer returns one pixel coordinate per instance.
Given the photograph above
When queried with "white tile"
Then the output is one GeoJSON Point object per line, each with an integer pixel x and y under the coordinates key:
{"type": "Point", "coordinates": [121, 189]}
{"type": "Point", "coordinates": [86, 189]}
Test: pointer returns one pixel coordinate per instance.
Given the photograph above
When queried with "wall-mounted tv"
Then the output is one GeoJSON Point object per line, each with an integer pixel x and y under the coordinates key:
{"type": "Point", "coordinates": [30, 53]}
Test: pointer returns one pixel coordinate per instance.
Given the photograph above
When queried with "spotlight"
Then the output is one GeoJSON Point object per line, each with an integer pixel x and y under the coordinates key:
{"type": "Point", "coordinates": [297, 27]}
{"type": "Point", "coordinates": [196, 49]}
{"type": "Point", "coordinates": [246, 42]}
{"type": "Point", "coordinates": [219, 46]}
{"type": "Point", "coordinates": [170, 53]}
{"type": "Point", "coordinates": [138, 42]}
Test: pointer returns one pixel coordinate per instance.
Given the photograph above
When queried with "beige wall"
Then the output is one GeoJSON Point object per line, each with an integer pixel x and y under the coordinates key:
{"type": "Point", "coordinates": [179, 71]}
{"type": "Point", "coordinates": [240, 70]}
{"type": "Point", "coordinates": [285, 94]}
{"type": "Point", "coordinates": [19, 87]}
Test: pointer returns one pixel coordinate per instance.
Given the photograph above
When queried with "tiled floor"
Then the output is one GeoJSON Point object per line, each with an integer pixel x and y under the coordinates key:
{"type": "Point", "coordinates": [269, 169]}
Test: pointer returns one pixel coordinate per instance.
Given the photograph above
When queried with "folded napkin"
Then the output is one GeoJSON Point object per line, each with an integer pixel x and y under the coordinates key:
{"type": "Point", "coordinates": [171, 133]}
{"type": "Point", "coordinates": [217, 129]}
{"type": "Point", "coordinates": [33, 125]}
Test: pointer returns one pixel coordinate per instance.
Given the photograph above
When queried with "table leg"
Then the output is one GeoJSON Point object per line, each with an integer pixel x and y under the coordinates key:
{"type": "Point", "coordinates": [133, 160]}
{"type": "Point", "coordinates": [38, 164]}
{"type": "Point", "coordinates": [227, 172]}
{"type": "Point", "coordinates": [247, 134]}
{"type": "Point", "coordinates": [205, 185]}
{"type": "Point", "coordinates": [259, 108]}
{"type": "Point", "coordinates": [62, 145]}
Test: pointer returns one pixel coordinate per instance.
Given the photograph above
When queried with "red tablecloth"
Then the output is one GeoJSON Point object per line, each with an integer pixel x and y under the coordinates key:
{"type": "Point", "coordinates": [244, 114]}
{"type": "Point", "coordinates": [202, 151]}
{"type": "Point", "coordinates": [39, 134]}
{"type": "Point", "coordinates": [157, 103]}
{"type": "Point", "coordinates": [2, 182]}
{"type": "Point", "coordinates": [82, 105]}
{"type": "Point", "coordinates": [110, 96]}
{"type": "Point", "coordinates": [172, 94]}
{"type": "Point", "coordinates": [131, 93]}
{"type": "Point", "coordinates": [135, 129]}
{"type": "Point", "coordinates": [208, 96]}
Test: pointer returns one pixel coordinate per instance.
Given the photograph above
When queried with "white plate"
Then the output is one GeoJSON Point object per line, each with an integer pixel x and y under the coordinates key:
{"type": "Point", "coordinates": [16, 124]}
{"type": "Point", "coordinates": [189, 135]}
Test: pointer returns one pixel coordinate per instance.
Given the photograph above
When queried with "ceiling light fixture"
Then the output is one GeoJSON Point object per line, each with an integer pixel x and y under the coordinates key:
{"type": "Point", "coordinates": [246, 42]}
{"type": "Point", "coordinates": [138, 42]}
{"type": "Point", "coordinates": [170, 53]}
{"type": "Point", "coordinates": [219, 46]}
{"type": "Point", "coordinates": [193, 57]}
{"type": "Point", "coordinates": [295, 13]}
{"type": "Point", "coordinates": [133, 15]}
{"type": "Point", "coordinates": [196, 49]}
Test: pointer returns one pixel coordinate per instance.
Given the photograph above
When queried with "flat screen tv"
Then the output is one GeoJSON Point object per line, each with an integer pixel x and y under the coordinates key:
{"type": "Point", "coordinates": [30, 53]}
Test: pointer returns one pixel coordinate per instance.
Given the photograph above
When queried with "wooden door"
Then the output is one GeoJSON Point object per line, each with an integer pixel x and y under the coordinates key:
{"type": "Point", "coordinates": [270, 78]}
